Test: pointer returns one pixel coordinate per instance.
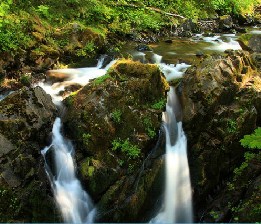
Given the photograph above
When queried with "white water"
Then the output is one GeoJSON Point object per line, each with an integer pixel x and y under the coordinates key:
{"type": "Point", "coordinates": [177, 205]}
{"type": "Point", "coordinates": [172, 71]}
{"type": "Point", "coordinates": [72, 76]}
{"type": "Point", "coordinates": [74, 203]}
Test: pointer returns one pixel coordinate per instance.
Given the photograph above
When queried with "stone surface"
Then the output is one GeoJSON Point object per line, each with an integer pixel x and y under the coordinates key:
{"type": "Point", "coordinates": [26, 118]}
{"type": "Point", "coordinates": [221, 98]}
{"type": "Point", "coordinates": [118, 111]}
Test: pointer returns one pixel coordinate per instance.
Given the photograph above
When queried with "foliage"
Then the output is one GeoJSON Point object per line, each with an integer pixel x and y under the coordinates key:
{"type": "Point", "coordinates": [252, 141]}
{"type": "Point", "coordinates": [116, 116]}
{"type": "Point", "coordinates": [86, 138]}
{"type": "Point", "coordinates": [124, 146]}
{"type": "Point", "coordinates": [43, 10]}
{"type": "Point", "coordinates": [26, 79]}
{"type": "Point", "coordinates": [159, 105]}
{"type": "Point", "coordinates": [87, 50]}
{"type": "Point", "coordinates": [149, 127]}
{"type": "Point", "coordinates": [231, 126]}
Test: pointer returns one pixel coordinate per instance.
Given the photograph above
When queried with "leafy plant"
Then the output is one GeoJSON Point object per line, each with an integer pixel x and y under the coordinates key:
{"type": "Point", "coordinates": [231, 126]}
{"type": "Point", "coordinates": [159, 105]}
{"type": "Point", "coordinates": [149, 127]}
{"type": "Point", "coordinates": [124, 146]}
{"type": "Point", "coordinates": [116, 115]}
{"type": "Point", "coordinates": [87, 50]}
{"type": "Point", "coordinates": [26, 79]}
{"type": "Point", "coordinates": [86, 138]}
{"type": "Point", "coordinates": [43, 10]}
{"type": "Point", "coordinates": [252, 141]}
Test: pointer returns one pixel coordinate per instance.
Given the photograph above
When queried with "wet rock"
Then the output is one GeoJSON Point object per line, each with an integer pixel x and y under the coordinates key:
{"type": "Point", "coordinates": [26, 119]}
{"type": "Point", "coordinates": [115, 126]}
{"type": "Point", "coordinates": [250, 42]}
{"type": "Point", "coordinates": [225, 23]}
{"type": "Point", "coordinates": [199, 54]}
{"type": "Point", "coordinates": [189, 27]}
{"type": "Point", "coordinates": [5, 145]}
{"type": "Point", "coordinates": [169, 41]}
{"type": "Point", "coordinates": [219, 107]}
{"type": "Point", "coordinates": [143, 47]}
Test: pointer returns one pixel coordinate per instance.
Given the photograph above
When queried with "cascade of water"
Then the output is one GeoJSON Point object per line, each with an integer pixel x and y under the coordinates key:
{"type": "Point", "coordinates": [178, 203]}
{"type": "Point", "coordinates": [73, 201]}
{"type": "Point", "coordinates": [72, 76]}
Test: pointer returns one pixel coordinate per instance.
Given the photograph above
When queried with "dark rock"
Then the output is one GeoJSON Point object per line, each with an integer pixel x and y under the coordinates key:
{"type": "Point", "coordinates": [111, 114]}
{"type": "Point", "coordinates": [26, 119]}
{"type": "Point", "coordinates": [199, 54]}
{"type": "Point", "coordinates": [143, 47]}
{"type": "Point", "coordinates": [5, 146]}
{"type": "Point", "coordinates": [250, 42]}
{"type": "Point", "coordinates": [169, 41]}
{"type": "Point", "coordinates": [219, 107]}
{"type": "Point", "coordinates": [225, 23]}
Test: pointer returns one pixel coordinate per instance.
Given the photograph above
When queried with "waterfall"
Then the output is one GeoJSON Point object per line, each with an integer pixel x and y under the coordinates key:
{"type": "Point", "coordinates": [74, 203]}
{"type": "Point", "coordinates": [177, 207]}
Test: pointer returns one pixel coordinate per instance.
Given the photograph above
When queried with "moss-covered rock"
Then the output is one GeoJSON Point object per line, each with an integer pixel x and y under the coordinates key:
{"type": "Point", "coordinates": [220, 106]}
{"type": "Point", "coordinates": [115, 125]}
{"type": "Point", "coordinates": [25, 122]}
{"type": "Point", "coordinates": [250, 42]}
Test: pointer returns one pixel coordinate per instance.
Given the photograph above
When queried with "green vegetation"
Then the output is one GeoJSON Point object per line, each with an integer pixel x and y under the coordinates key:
{"type": "Point", "coordinates": [30, 24]}
{"type": "Point", "coordinates": [159, 105]}
{"type": "Point", "coordinates": [86, 138]}
{"type": "Point", "coordinates": [116, 116]}
{"type": "Point", "coordinates": [101, 79]}
{"type": "Point", "coordinates": [124, 146]}
{"type": "Point", "coordinates": [149, 127]}
{"type": "Point", "coordinates": [231, 126]}
{"type": "Point", "coordinates": [252, 141]}
{"type": "Point", "coordinates": [26, 79]}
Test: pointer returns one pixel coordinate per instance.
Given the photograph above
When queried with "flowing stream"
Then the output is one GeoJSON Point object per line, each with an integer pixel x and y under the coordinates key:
{"type": "Point", "coordinates": [74, 203]}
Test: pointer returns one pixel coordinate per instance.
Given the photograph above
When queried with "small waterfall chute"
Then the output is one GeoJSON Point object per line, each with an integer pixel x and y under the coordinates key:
{"type": "Point", "coordinates": [74, 203]}
{"type": "Point", "coordinates": [177, 206]}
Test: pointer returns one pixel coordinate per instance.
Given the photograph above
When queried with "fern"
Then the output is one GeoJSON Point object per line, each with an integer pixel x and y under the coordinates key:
{"type": "Point", "coordinates": [252, 141]}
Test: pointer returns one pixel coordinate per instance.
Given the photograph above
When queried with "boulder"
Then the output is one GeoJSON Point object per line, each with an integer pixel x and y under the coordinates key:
{"type": "Point", "coordinates": [225, 23]}
{"type": "Point", "coordinates": [115, 122]}
{"type": "Point", "coordinates": [26, 120]}
{"type": "Point", "coordinates": [250, 42]}
{"type": "Point", "coordinates": [220, 98]}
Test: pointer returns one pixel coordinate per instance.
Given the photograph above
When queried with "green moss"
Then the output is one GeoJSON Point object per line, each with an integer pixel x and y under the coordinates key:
{"type": "Point", "coordinates": [101, 79]}
{"type": "Point", "coordinates": [124, 146]}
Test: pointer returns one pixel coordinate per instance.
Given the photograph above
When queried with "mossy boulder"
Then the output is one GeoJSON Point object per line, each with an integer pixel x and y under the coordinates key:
{"type": "Point", "coordinates": [25, 123]}
{"type": "Point", "coordinates": [220, 103]}
{"type": "Point", "coordinates": [250, 42]}
{"type": "Point", "coordinates": [115, 125]}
